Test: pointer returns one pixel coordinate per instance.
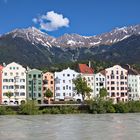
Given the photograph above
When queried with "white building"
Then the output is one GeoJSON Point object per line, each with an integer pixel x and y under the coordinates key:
{"type": "Point", "coordinates": [64, 87]}
{"type": "Point", "coordinates": [116, 83]}
{"type": "Point", "coordinates": [14, 81]}
{"type": "Point", "coordinates": [133, 83]}
{"type": "Point", "coordinates": [99, 83]}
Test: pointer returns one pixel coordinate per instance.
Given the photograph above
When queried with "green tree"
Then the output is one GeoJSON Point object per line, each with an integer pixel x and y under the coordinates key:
{"type": "Point", "coordinates": [9, 94]}
{"type": "Point", "coordinates": [103, 93]}
{"type": "Point", "coordinates": [82, 87]}
{"type": "Point", "coordinates": [48, 94]}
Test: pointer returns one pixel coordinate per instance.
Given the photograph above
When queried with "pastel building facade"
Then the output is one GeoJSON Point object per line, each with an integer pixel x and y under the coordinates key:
{"type": "Point", "coordinates": [99, 83]}
{"type": "Point", "coordinates": [14, 81]}
{"type": "Point", "coordinates": [133, 83]}
{"type": "Point", "coordinates": [1, 67]}
{"type": "Point", "coordinates": [64, 86]}
{"type": "Point", "coordinates": [48, 82]}
{"type": "Point", "coordinates": [87, 73]}
{"type": "Point", "coordinates": [116, 83]}
{"type": "Point", "coordinates": [35, 85]}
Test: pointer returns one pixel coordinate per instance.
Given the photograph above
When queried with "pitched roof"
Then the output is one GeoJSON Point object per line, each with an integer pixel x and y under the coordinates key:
{"type": "Point", "coordinates": [130, 70]}
{"type": "Point", "coordinates": [103, 72]}
{"type": "Point", "coordinates": [83, 68]}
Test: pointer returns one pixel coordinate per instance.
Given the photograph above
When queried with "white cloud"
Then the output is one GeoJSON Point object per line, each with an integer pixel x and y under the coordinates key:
{"type": "Point", "coordinates": [51, 21]}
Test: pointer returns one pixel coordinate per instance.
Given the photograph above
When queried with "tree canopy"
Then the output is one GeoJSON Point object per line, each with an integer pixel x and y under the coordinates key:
{"type": "Point", "coordinates": [82, 87]}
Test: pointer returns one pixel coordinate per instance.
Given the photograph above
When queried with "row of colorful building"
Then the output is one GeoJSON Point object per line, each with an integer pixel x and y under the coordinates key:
{"type": "Point", "coordinates": [122, 83]}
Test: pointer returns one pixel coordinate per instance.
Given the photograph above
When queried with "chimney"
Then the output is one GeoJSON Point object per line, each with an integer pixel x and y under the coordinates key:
{"type": "Point", "coordinates": [89, 64]}
{"type": "Point", "coordinates": [4, 64]}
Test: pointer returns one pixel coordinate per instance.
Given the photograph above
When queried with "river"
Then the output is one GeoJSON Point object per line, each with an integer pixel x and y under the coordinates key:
{"type": "Point", "coordinates": [71, 127]}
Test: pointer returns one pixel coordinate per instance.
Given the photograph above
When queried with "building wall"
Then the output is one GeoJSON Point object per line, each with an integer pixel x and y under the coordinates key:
{"type": "Point", "coordinates": [48, 82]}
{"type": "Point", "coordinates": [134, 87]}
{"type": "Point", "coordinates": [64, 87]}
{"type": "Point", "coordinates": [34, 85]}
{"type": "Point", "coordinates": [1, 84]}
{"type": "Point", "coordinates": [14, 80]}
{"type": "Point", "coordinates": [116, 83]}
{"type": "Point", "coordinates": [99, 82]}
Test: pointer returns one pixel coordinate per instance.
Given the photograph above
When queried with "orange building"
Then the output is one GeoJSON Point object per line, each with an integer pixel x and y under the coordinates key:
{"type": "Point", "coordinates": [48, 82]}
{"type": "Point", "coordinates": [1, 67]}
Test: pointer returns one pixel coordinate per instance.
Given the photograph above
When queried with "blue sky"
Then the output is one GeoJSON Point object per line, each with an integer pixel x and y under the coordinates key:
{"type": "Point", "coordinates": [56, 17]}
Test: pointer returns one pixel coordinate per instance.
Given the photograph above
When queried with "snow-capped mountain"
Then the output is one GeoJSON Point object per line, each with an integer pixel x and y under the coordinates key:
{"type": "Point", "coordinates": [35, 36]}
{"type": "Point", "coordinates": [36, 49]}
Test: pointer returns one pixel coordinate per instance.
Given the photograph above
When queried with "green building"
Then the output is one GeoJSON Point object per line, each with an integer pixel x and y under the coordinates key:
{"type": "Point", "coordinates": [34, 85]}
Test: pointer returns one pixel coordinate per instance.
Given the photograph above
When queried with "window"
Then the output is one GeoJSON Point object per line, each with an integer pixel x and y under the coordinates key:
{"type": "Point", "coordinates": [39, 88]}
{"type": "Point", "coordinates": [39, 94]}
{"type": "Point", "coordinates": [66, 86]}
{"type": "Point", "coordinates": [22, 80]}
{"type": "Point", "coordinates": [10, 68]}
{"type": "Point", "coordinates": [30, 82]}
{"type": "Point", "coordinates": [5, 74]}
{"type": "Point", "coordinates": [122, 88]}
{"type": "Point", "coordinates": [68, 75]}
{"type": "Point", "coordinates": [117, 72]}
{"type": "Point", "coordinates": [11, 87]}
{"type": "Point", "coordinates": [117, 93]}
{"type": "Point", "coordinates": [51, 77]}
{"type": "Point", "coordinates": [112, 88]}
{"type": "Point", "coordinates": [112, 94]}
{"type": "Point", "coordinates": [16, 86]}
{"type": "Point", "coordinates": [17, 73]}
{"type": "Point", "coordinates": [22, 74]}
{"type": "Point", "coordinates": [51, 82]}
{"type": "Point", "coordinates": [112, 82]}
{"type": "Point", "coordinates": [39, 75]}
{"type": "Point", "coordinates": [69, 94]}
{"type": "Point", "coordinates": [57, 88]}
{"type": "Point", "coordinates": [63, 74]}
{"type": "Point", "coordinates": [64, 94]}
{"type": "Point", "coordinates": [63, 81]}
{"type": "Point", "coordinates": [122, 83]}
{"type": "Point", "coordinates": [39, 82]}
{"type": "Point", "coordinates": [5, 80]}
{"type": "Point", "coordinates": [69, 88]}
{"type": "Point", "coordinates": [30, 88]}
{"type": "Point", "coordinates": [16, 93]}
{"type": "Point", "coordinates": [22, 94]}
{"type": "Point", "coordinates": [117, 77]}
{"type": "Point", "coordinates": [57, 94]}
{"type": "Point", "coordinates": [96, 79]}
{"type": "Point", "coordinates": [30, 76]}
{"type": "Point", "coordinates": [22, 87]}
{"type": "Point", "coordinates": [63, 87]}
{"type": "Point", "coordinates": [5, 87]}
{"type": "Point", "coordinates": [112, 76]}
{"type": "Point", "coordinates": [34, 76]}
{"type": "Point", "coordinates": [122, 94]}
{"type": "Point", "coordinates": [73, 75]}
{"type": "Point", "coordinates": [11, 73]}
{"type": "Point", "coordinates": [107, 88]}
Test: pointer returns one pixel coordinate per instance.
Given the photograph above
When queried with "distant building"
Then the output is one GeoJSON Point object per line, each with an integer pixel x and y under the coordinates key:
{"type": "Point", "coordinates": [99, 82]}
{"type": "Point", "coordinates": [116, 83]}
{"type": "Point", "coordinates": [87, 73]}
{"type": "Point", "coordinates": [1, 67]}
{"type": "Point", "coordinates": [64, 86]}
{"type": "Point", "coordinates": [133, 83]}
{"type": "Point", "coordinates": [34, 85]}
{"type": "Point", "coordinates": [14, 81]}
{"type": "Point", "coordinates": [48, 82]}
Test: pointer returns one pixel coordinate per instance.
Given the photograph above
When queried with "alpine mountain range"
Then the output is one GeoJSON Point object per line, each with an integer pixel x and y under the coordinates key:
{"type": "Point", "coordinates": [32, 47]}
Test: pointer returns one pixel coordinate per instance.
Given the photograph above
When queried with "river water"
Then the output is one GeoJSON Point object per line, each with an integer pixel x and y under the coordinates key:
{"type": "Point", "coordinates": [71, 127]}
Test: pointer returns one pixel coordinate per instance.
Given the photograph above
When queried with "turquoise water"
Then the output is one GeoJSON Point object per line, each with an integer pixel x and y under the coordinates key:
{"type": "Point", "coordinates": [71, 127]}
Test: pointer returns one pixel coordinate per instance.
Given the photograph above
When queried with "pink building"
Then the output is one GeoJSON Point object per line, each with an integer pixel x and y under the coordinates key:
{"type": "Point", "coordinates": [48, 82]}
{"type": "Point", "coordinates": [116, 83]}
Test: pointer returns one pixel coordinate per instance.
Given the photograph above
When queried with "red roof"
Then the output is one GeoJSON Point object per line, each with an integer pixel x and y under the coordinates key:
{"type": "Point", "coordinates": [83, 68]}
{"type": "Point", "coordinates": [1, 67]}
